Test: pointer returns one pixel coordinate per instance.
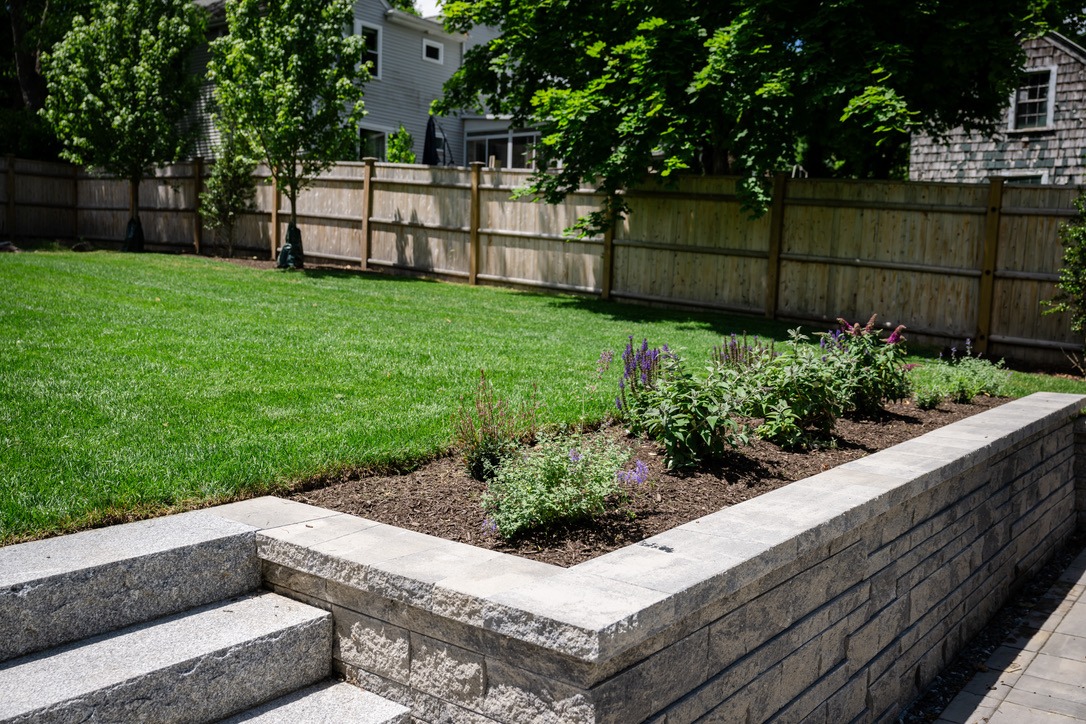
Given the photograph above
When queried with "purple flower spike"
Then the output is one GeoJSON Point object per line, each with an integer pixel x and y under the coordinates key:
{"type": "Point", "coordinates": [574, 455]}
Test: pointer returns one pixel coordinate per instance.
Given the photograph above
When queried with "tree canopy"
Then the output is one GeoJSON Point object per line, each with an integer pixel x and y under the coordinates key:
{"type": "Point", "coordinates": [289, 80]}
{"type": "Point", "coordinates": [121, 87]}
{"type": "Point", "coordinates": [746, 87]}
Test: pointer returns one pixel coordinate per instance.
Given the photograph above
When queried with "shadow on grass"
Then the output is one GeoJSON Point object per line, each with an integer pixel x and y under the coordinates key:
{"type": "Point", "coordinates": [722, 323]}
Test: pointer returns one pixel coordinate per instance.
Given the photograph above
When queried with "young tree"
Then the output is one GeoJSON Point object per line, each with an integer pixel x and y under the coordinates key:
{"type": "Point", "coordinates": [289, 79]}
{"type": "Point", "coordinates": [231, 188]}
{"type": "Point", "coordinates": [746, 87]}
{"type": "Point", "coordinates": [121, 89]}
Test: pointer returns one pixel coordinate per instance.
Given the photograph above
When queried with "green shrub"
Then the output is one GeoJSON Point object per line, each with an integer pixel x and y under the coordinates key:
{"type": "Point", "coordinates": [958, 378]}
{"type": "Point", "coordinates": [563, 479]}
{"type": "Point", "coordinates": [1071, 287]}
{"type": "Point", "coordinates": [695, 419]}
{"type": "Point", "coordinates": [488, 428]}
{"type": "Point", "coordinates": [873, 367]}
{"type": "Point", "coordinates": [400, 146]}
{"type": "Point", "coordinates": [799, 393]}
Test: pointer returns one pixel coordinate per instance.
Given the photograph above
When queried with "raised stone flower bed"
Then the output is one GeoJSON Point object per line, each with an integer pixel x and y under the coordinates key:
{"type": "Point", "coordinates": [833, 598]}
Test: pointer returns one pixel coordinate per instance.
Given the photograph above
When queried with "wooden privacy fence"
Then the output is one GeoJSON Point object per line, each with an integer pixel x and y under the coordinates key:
{"type": "Point", "coordinates": [951, 261]}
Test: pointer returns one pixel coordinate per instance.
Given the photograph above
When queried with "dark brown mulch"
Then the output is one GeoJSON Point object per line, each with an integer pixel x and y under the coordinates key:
{"type": "Point", "coordinates": [440, 499]}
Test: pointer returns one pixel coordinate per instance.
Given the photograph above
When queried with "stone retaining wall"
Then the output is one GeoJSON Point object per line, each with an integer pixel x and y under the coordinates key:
{"type": "Point", "coordinates": [836, 598]}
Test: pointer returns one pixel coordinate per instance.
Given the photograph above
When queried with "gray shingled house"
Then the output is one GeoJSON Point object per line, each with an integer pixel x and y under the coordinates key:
{"type": "Point", "coordinates": [410, 60]}
{"type": "Point", "coordinates": [1042, 139]}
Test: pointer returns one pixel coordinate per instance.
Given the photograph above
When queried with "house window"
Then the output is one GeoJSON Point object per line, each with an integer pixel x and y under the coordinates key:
{"type": "Point", "coordinates": [371, 54]}
{"type": "Point", "coordinates": [1028, 178]}
{"type": "Point", "coordinates": [503, 150]}
{"type": "Point", "coordinates": [372, 144]}
{"type": "Point", "coordinates": [1033, 100]}
{"type": "Point", "coordinates": [433, 51]}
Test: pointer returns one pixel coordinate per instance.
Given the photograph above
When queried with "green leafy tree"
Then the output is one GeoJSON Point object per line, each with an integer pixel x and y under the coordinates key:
{"type": "Point", "coordinates": [1070, 295]}
{"type": "Point", "coordinates": [288, 79]}
{"type": "Point", "coordinates": [745, 87]}
{"type": "Point", "coordinates": [400, 146]}
{"type": "Point", "coordinates": [121, 89]}
{"type": "Point", "coordinates": [231, 187]}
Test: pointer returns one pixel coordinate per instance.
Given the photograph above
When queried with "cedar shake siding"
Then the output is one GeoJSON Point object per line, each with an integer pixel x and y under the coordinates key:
{"type": "Point", "coordinates": [1036, 141]}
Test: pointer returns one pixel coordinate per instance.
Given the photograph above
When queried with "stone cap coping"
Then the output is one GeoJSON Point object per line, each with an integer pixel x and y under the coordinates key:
{"type": "Point", "coordinates": [604, 606]}
{"type": "Point", "coordinates": [53, 557]}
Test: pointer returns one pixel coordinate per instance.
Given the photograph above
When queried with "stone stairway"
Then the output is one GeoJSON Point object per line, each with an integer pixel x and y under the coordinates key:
{"type": "Point", "coordinates": [163, 620]}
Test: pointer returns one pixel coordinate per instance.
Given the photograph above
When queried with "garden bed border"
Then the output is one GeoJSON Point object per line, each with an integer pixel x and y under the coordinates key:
{"type": "Point", "coordinates": [835, 598]}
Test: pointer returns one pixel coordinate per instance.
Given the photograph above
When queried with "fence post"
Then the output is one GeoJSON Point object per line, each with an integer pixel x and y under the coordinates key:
{"type": "Point", "coordinates": [75, 202]}
{"type": "Point", "coordinates": [988, 264]}
{"type": "Point", "coordinates": [476, 212]}
{"type": "Point", "coordinates": [607, 263]}
{"type": "Point", "coordinates": [776, 232]}
{"type": "Point", "coordinates": [367, 211]}
{"type": "Point", "coordinates": [275, 235]}
{"type": "Point", "coordinates": [197, 221]}
{"type": "Point", "coordinates": [11, 196]}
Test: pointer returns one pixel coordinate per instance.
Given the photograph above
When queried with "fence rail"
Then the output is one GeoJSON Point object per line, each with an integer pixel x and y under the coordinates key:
{"type": "Point", "coordinates": [951, 261]}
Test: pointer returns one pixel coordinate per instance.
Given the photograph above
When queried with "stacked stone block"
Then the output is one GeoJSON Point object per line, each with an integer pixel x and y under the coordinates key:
{"type": "Point", "coordinates": [836, 598]}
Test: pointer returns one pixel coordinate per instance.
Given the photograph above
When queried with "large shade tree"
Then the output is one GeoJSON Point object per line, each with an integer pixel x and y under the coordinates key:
{"type": "Point", "coordinates": [121, 89]}
{"type": "Point", "coordinates": [288, 77]}
{"type": "Point", "coordinates": [745, 87]}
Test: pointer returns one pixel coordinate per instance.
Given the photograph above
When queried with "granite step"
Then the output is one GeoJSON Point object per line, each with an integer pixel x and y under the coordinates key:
{"type": "Point", "coordinates": [198, 666]}
{"type": "Point", "coordinates": [329, 702]}
{"type": "Point", "coordinates": [69, 588]}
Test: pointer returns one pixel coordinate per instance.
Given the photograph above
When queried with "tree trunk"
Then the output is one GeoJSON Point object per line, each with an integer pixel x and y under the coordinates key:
{"type": "Point", "coordinates": [31, 83]}
{"type": "Point", "coordinates": [134, 197]}
{"type": "Point", "coordinates": [133, 235]}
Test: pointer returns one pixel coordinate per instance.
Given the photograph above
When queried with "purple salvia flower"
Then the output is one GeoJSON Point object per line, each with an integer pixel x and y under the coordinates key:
{"type": "Point", "coordinates": [574, 455]}
{"type": "Point", "coordinates": [637, 476]}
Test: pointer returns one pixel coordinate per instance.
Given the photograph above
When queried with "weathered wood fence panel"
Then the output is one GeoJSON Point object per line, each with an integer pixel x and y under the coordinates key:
{"type": "Point", "coordinates": [951, 261]}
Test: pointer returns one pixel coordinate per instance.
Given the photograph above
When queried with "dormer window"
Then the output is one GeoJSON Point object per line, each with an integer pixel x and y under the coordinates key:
{"type": "Point", "coordinates": [1032, 107]}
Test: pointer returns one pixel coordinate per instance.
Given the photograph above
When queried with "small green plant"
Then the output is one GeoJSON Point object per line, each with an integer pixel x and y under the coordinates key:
{"type": "Point", "coordinates": [563, 479]}
{"type": "Point", "coordinates": [695, 419]}
{"type": "Point", "coordinates": [400, 147]}
{"type": "Point", "coordinates": [799, 394]}
{"type": "Point", "coordinates": [958, 378]}
{"type": "Point", "coordinates": [489, 428]}
{"type": "Point", "coordinates": [1071, 287]}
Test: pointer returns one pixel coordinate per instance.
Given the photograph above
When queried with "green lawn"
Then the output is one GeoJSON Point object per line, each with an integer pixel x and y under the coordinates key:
{"type": "Point", "coordinates": [134, 384]}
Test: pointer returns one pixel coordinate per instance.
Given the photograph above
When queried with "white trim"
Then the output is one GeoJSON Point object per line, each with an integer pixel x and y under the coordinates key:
{"type": "Point", "coordinates": [385, 132]}
{"type": "Point", "coordinates": [422, 25]}
{"type": "Point", "coordinates": [358, 26]}
{"type": "Point", "coordinates": [440, 47]}
{"type": "Point", "coordinates": [1050, 105]}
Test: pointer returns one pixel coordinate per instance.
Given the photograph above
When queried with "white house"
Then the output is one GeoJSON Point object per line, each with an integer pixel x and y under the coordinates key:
{"type": "Point", "coordinates": [410, 59]}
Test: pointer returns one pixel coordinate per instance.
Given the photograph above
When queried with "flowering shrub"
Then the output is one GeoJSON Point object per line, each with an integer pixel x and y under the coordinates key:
{"type": "Point", "coordinates": [694, 419]}
{"type": "Point", "coordinates": [564, 478]}
{"type": "Point", "coordinates": [488, 429]}
{"type": "Point", "coordinates": [873, 367]}
{"type": "Point", "coordinates": [958, 378]}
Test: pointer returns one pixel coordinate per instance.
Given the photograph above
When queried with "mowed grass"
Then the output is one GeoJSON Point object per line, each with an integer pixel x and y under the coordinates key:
{"type": "Point", "coordinates": [133, 385]}
{"type": "Point", "coordinates": [138, 384]}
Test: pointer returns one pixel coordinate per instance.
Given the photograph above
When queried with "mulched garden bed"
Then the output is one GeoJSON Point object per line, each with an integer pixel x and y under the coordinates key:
{"type": "Point", "coordinates": [441, 499]}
